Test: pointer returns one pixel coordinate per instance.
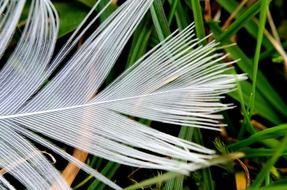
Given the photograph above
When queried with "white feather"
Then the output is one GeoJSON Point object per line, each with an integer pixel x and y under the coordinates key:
{"type": "Point", "coordinates": [177, 82]}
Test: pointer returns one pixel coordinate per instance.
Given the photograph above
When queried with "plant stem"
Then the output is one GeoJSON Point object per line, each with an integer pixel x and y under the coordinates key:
{"type": "Point", "coordinates": [263, 15]}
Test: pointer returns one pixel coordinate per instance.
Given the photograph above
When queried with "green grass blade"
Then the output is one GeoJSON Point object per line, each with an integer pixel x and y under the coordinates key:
{"type": "Point", "coordinates": [260, 152]}
{"type": "Point", "coordinates": [109, 171]}
{"type": "Point", "coordinates": [139, 42]}
{"type": "Point", "coordinates": [262, 107]}
{"type": "Point", "coordinates": [263, 15]}
{"type": "Point", "coordinates": [251, 26]}
{"type": "Point", "coordinates": [272, 132]}
{"type": "Point", "coordinates": [181, 14]}
{"type": "Point", "coordinates": [172, 13]}
{"type": "Point", "coordinates": [268, 166]}
{"type": "Point", "coordinates": [159, 20]}
{"type": "Point", "coordinates": [198, 19]}
{"type": "Point", "coordinates": [240, 22]}
{"type": "Point", "coordinates": [71, 15]}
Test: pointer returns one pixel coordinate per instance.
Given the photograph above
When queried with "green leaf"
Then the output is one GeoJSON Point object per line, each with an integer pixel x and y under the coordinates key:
{"type": "Point", "coordinates": [159, 20]}
{"type": "Point", "coordinates": [240, 22]}
{"type": "Point", "coordinates": [71, 15]}
{"type": "Point", "coordinates": [181, 14]}
{"type": "Point", "coordinates": [198, 19]}
{"type": "Point", "coordinates": [263, 15]}
{"type": "Point", "coordinates": [250, 26]}
{"type": "Point", "coordinates": [269, 133]}
{"type": "Point", "coordinates": [270, 163]}
{"type": "Point", "coordinates": [109, 171]}
{"type": "Point", "coordinates": [140, 41]}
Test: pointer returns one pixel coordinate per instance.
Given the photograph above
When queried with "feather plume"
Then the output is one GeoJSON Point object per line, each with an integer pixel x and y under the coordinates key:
{"type": "Point", "coordinates": [178, 82]}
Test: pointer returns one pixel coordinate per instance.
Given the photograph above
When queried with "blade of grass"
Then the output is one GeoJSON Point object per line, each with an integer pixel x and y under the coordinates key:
{"type": "Point", "coordinates": [263, 15]}
{"type": "Point", "coordinates": [159, 20]}
{"type": "Point", "coordinates": [71, 15]}
{"type": "Point", "coordinates": [272, 132]}
{"type": "Point", "coordinates": [268, 41]}
{"type": "Point", "coordinates": [259, 152]}
{"type": "Point", "coordinates": [109, 171]}
{"type": "Point", "coordinates": [269, 52]}
{"type": "Point", "coordinates": [181, 15]}
{"type": "Point", "coordinates": [247, 125]}
{"type": "Point", "coordinates": [198, 19]}
{"type": "Point", "coordinates": [251, 27]}
{"type": "Point", "coordinates": [175, 183]}
{"type": "Point", "coordinates": [268, 166]}
{"type": "Point", "coordinates": [172, 11]}
{"type": "Point", "coordinates": [83, 182]}
{"type": "Point", "coordinates": [262, 107]}
{"type": "Point", "coordinates": [139, 42]}
{"type": "Point", "coordinates": [282, 184]}
{"type": "Point", "coordinates": [240, 21]}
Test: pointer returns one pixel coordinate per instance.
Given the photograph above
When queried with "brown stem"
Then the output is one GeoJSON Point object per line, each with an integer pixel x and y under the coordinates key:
{"type": "Point", "coordinates": [207, 15]}
{"type": "Point", "coordinates": [246, 172]}
{"type": "Point", "coordinates": [233, 14]}
{"type": "Point", "coordinates": [71, 171]}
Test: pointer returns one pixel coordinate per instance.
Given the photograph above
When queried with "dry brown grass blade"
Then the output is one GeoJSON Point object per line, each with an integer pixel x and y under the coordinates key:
{"type": "Point", "coordinates": [207, 10]}
{"type": "Point", "coordinates": [71, 171]}
{"type": "Point", "coordinates": [233, 14]}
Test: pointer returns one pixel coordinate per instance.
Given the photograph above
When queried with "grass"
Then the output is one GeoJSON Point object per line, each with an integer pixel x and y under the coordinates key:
{"type": "Point", "coordinates": [256, 127]}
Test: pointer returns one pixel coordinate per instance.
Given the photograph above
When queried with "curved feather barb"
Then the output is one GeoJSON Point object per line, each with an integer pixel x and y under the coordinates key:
{"type": "Point", "coordinates": [177, 82]}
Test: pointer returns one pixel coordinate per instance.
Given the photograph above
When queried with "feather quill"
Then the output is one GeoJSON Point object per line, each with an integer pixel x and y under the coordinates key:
{"type": "Point", "coordinates": [177, 82]}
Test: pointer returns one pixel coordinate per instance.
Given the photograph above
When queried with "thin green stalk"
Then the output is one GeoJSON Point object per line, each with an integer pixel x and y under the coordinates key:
{"type": "Point", "coordinates": [267, 179]}
{"type": "Point", "coordinates": [181, 14]}
{"type": "Point", "coordinates": [247, 123]}
{"type": "Point", "coordinates": [172, 11]}
{"type": "Point", "coordinates": [270, 52]}
{"type": "Point", "coordinates": [268, 166]}
{"type": "Point", "coordinates": [263, 15]}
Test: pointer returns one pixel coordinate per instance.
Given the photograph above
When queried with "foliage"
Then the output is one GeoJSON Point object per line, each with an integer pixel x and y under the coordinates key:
{"type": "Point", "coordinates": [251, 32]}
